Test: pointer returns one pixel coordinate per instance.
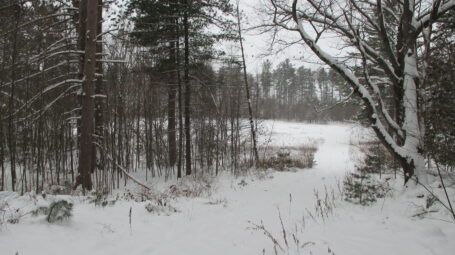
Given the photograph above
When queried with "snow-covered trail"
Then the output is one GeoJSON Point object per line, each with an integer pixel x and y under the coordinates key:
{"type": "Point", "coordinates": [225, 228]}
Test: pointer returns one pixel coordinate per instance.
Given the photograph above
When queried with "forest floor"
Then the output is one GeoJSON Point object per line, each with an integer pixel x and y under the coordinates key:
{"type": "Point", "coordinates": [273, 212]}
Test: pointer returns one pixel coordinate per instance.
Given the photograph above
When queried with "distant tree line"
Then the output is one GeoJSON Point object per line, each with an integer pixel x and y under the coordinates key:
{"type": "Point", "coordinates": [303, 94]}
{"type": "Point", "coordinates": [399, 66]}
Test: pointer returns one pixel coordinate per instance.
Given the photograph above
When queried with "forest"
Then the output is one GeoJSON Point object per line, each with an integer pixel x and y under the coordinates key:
{"type": "Point", "coordinates": [128, 111]}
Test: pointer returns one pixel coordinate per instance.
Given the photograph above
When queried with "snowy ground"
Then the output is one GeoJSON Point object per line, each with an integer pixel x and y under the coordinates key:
{"type": "Point", "coordinates": [224, 222]}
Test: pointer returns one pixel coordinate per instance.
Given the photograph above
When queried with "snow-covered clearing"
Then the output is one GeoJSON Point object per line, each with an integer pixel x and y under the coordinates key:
{"type": "Point", "coordinates": [224, 221]}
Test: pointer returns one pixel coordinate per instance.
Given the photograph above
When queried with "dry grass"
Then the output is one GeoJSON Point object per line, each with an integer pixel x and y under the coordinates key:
{"type": "Point", "coordinates": [289, 157]}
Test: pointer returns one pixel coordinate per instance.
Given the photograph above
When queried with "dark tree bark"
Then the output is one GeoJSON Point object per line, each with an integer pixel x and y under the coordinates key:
{"type": "Point", "coordinates": [179, 81]}
{"type": "Point", "coordinates": [88, 105]}
{"type": "Point", "coordinates": [2, 152]}
{"type": "Point", "coordinates": [187, 92]}
{"type": "Point", "coordinates": [171, 103]}
{"type": "Point", "coordinates": [11, 129]}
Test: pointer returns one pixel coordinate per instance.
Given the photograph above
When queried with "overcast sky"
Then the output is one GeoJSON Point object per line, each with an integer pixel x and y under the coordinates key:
{"type": "Point", "coordinates": [256, 45]}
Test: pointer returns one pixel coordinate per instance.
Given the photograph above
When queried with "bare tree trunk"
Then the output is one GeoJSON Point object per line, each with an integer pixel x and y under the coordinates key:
{"type": "Point", "coordinates": [88, 105]}
{"type": "Point", "coordinates": [100, 99]}
{"type": "Point", "coordinates": [2, 153]}
{"type": "Point", "coordinates": [179, 81]}
{"type": "Point", "coordinates": [247, 88]}
{"type": "Point", "coordinates": [187, 92]}
{"type": "Point", "coordinates": [171, 109]}
{"type": "Point", "coordinates": [82, 33]}
{"type": "Point", "coordinates": [11, 129]}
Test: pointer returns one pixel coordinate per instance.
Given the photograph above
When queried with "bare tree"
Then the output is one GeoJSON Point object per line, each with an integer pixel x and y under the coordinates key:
{"type": "Point", "coordinates": [386, 39]}
{"type": "Point", "coordinates": [247, 90]}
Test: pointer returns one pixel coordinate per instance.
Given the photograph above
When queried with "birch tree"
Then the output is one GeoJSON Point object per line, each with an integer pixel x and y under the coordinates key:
{"type": "Point", "coordinates": [397, 63]}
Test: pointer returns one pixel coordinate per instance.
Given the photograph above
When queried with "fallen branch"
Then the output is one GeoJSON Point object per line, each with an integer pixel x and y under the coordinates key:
{"type": "Point", "coordinates": [127, 174]}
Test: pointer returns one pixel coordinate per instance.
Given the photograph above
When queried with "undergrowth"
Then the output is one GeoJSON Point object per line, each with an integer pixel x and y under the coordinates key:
{"type": "Point", "coordinates": [286, 158]}
{"type": "Point", "coordinates": [290, 238]}
{"type": "Point", "coordinates": [365, 185]}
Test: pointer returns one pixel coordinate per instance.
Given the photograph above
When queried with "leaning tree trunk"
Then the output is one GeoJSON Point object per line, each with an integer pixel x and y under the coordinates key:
{"type": "Point", "coordinates": [247, 89]}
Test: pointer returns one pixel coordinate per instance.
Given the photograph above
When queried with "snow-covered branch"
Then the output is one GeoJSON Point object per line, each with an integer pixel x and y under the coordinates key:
{"type": "Point", "coordinates": [388, 70]}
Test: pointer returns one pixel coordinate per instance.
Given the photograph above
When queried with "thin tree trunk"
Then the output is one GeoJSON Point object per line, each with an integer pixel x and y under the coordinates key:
{"type": "Point", "coordinates": [82, 33]}
{"type": "Point", "coordinates": [171, 110]}
{"type": "Point", "coordinates": [2, 153]}
{"type": "Point", "coordinates": [247, 88]}
{"type": "Point", "coordinates": [11, 130]}
{"type": "Point", "coordinates": [179, 81]}
{"type": "Point", "coordinates": [100, 99]}
{"type": "Point", "coordinates": [187, 92]}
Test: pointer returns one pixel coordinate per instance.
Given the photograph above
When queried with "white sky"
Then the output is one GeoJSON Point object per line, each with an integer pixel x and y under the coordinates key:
{"type": "Point", "coordinates": [257, 46]}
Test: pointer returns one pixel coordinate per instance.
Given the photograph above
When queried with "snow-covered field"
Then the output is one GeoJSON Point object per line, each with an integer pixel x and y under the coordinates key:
{"type": "Point", "coordinates": [231, 219]}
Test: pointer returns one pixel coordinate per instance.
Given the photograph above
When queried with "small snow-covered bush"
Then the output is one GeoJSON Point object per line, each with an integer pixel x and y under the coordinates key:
{"type": "Point", "coordinates": [64, 189]}
{"type": "Point", "coordinates": [218, 201]}
{"type": "Point", "coordinates": [363, 186]}
{"type": "Point", "coordinates": [57, 211]}
{"type": "Point", "coordinates": [10, 215]}
{"type": "Point", "coordinates": [160, 208]}
{"type": "Point", "coordinates": [102, 199]}
{"type": "Point", "coordinates": [192, 188]}
{"type": "Point", "coordinates": [376, 160]}
{"type": "Point", "coordinates": [2, 214]}
{"type": "Point", "coordinates": [360, 188]}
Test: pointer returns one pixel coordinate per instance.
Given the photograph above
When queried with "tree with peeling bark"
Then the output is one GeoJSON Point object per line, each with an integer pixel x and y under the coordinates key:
{"type": "Point", "coordinates": [397, 63]}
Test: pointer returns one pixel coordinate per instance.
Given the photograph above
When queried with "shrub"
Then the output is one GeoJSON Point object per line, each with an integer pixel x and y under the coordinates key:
{"type": "Point", "coordinates": [160, 208]}
{"type": "Point", "coordinates": [283, 160]}
{"type": "Point", "coordinates": [359, 188]}
{"type": "Point", "coordinates": [64, 189]}
{"type": "Point", "coordinates": [101, 199]}
{"type": "Point", "coordinates": [201, 186]}
{"type": "Point", "coordinates": [57, 211]}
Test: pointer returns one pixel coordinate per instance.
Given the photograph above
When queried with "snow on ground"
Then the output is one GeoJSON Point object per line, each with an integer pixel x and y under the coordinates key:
{"type": "Point", "coordinates": [224, 221]}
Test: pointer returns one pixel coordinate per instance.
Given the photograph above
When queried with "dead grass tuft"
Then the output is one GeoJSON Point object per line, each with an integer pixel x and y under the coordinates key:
{"type": "Point", "coordinates": [289, 157]}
